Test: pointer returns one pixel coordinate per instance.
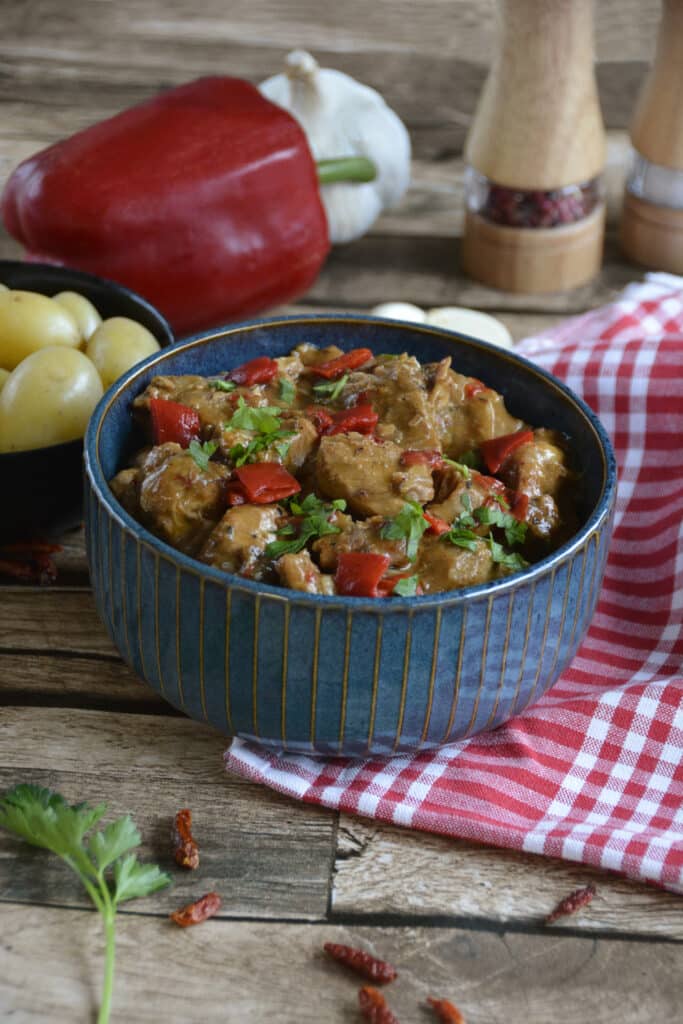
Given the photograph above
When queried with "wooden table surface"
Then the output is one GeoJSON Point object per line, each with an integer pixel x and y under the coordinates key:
{"type": "Point", "coordinates": [458, 919]}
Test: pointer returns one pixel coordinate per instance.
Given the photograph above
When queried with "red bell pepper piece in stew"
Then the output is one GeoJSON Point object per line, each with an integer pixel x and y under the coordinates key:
{"type": "Point", "coordinates": [266, 482]}
{"type": "Point", "coordinates": [342, 364]}
{"type": "Point", "coordinates": [173, 421]}
{"type": "Point", "coordinates": [362, 419]}
{"type": "Point", "coordinates": [359, 572]}
{"type": "Point", "coordinates": [495, 452]}
{"type": "Point", "coordinates": [256, 371]}
{"type": "Point", "coordinates": [421, 457]}
{"type": "Point", "coordinates": [437, 525]}
{"type": "Point", "coordinates": [205, 199]}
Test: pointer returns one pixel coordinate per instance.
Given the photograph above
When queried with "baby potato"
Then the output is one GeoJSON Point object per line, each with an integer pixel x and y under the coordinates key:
{"type": "Point", "coordinates": [28, 322]}
{"type": "Point", "coordinates": [118, 344]}
{"type": "Point", "coordinates": [82, 310]}
{"type": "Point", "coordinates": [4, 374]}
{"type": "Point", "coordinates": [48, 399]}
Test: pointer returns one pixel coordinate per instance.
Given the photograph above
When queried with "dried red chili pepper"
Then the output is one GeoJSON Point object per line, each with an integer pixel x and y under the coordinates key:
{"type": "Point", "coordinates": [363, 963]}
{"type": "Point", "coordinates": [445, 1011]}
{"type": "Point", "coordinates": [256, 371]}
{"type": "Point", "coordinates": [29, 561]}
{"type": "Point", "coordinates": [342, 364]}
{"type": "Point", "coordinates": [195, 913]}
{"type": "Point", "coordinates": [374, 1007]}
{"type": "Point", "coordinates": [421, 457]}
{"type": "Point", "coordinates": [498, 449]}
{"type": "Point", "coordinates": [437, 525]}
{"type": "Point", "coordinates": [570, 904]}
{"type": "Point", "coordinates": [173, 421]}
{"type": "Point", "coordinates": [185, 849]}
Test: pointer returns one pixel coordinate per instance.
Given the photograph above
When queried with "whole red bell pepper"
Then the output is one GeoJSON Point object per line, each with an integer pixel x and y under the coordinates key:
{"type": "Point", "coordinates": [204, 199]}
{"type": "Point", "coordinates": [173, 421]}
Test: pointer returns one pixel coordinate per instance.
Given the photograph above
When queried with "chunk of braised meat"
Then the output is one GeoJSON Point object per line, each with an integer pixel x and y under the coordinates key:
{"type": "Point", "coordinates": [213, 406]}
{"type": "Point", "coordinates": [539, 470]}
{"type": "Point", "coordinates": [396, 390]}
{"type": "Point", "coordinates": [464, 415]}
{"type": "Point", "coordinates": [363, 535]}
{"type": "Point", "coordinates": [456, 494]}
{"type": "Point", "coordinates": [291, 451]}
{"type": "Point", "coordinates": [299, 572]}
{"type": "Point", "coordinates": [441, 565]}
{"type": "Point", "coordinates": [173, 496]}
{"type": "Point", "coordinates": [369, 476]}
{"type": "Point", "coordinates": [238, 541]}
{"type": "Point", "coordinates": [312, 356]}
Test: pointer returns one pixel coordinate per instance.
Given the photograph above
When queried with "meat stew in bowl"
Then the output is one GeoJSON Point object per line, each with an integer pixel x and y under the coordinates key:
{"type": "Point", "coordinates": [348, 473]}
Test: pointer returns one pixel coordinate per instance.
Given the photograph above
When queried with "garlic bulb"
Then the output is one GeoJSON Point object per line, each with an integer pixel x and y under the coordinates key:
{"type": "Point", "coordinates": [400, 311]}
{"type": "Point", "coordinates": [343, 118]}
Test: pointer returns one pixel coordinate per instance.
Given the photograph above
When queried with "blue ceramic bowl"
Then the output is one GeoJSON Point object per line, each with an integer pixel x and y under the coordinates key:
{"type": "Point", "coordinates": [339, 675]}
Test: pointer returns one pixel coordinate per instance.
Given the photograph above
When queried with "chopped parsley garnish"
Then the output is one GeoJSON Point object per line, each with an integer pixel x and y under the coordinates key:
{"type": "Point", "coordinates": [462, 536]}
{"type": "Point", "coordinates": [222, 385]}
{"type": "Point", "coordinates": [331, 390]}
{"type": "Point", "coordinates": [462, 468]}
{"type": "Point", "coordinates": [407, 587]}
{"type": "Point", "coordinates": [314, 521]}
{"type": "Point", "coordinates": [470, 458]}
{"type": "Point", "coordinates": [264, 421]}
{"type": "Point", "coordinates": [408, 525]}
{"type": "Point", "coordinates": [287, 391]}
{"type": "Point", "coordinates": [239, 454]}
{"type": "Point", "coordinates": [511, 559]}
{"type": "Point", "coordinates": [493, 515]}
{"type": "Point", "coordinates": [201, 453]}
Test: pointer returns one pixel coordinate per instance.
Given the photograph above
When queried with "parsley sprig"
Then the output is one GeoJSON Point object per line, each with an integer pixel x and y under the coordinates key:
{"type": "Point", "coordinates": [494, 515]}
{"type": "Point", "coordinates": [44, 819]}
{"type": "Point", "coordinates": [331, 390]}
{"type": "Point", "coordinates": [265, 422]}
{"type": "Point", "coordinates": [201, 453]}
{"type": "Point", "coordinates": [287, 390]}
{"type": "Point", "coordinates": [462, 532]}
{"type": "Point", "coordinates": [408, 525]}
{"type": "Point", "coordinates": [313, 517]}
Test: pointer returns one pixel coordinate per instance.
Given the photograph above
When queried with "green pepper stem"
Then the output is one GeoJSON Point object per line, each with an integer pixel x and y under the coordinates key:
{"type": "Point", "coordinates": [346, 168]}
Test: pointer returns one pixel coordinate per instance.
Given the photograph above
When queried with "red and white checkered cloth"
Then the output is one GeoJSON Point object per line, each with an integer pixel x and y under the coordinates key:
{"type": "Point", "coordinates": [594, 771]}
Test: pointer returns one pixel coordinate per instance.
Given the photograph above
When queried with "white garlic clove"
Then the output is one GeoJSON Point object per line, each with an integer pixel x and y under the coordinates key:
{"type": "Point", "coordinates": [472, 322]}
{"type": "Point", "coordinates": [399, 311]}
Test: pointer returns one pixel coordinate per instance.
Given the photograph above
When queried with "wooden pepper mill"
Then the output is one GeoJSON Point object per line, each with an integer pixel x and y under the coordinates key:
{"type": "Point", "coordinates": [535, 211]}
{"type": "Point", "coordinates": [652, 214]}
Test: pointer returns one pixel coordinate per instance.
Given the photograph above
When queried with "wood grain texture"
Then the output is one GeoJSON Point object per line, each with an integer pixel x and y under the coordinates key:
{"type": "Point", "coordinates": [384, 870]}
{"type": "Point", "coordinates": [238, 972]}
{"type": "Point", "coordinates": [52, 619]}
{"type": "Point", "coordinates": [266, 856]}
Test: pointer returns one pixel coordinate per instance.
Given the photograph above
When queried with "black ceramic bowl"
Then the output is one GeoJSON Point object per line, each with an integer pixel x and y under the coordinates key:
{"type": "Point", "coordinates": [43, 487]}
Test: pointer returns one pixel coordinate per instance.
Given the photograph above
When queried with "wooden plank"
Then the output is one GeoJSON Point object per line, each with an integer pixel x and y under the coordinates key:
{"type": "Point", "coordinates": [85, 682]}
{"type": "Point", "coordinates": [233, 972]}
{"type": "Point", "coordinates": [52, 619]}
{"type": "Point", "coordinates": [267, 856]}
{"type": "Point", "coordinates": [384, 870]}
